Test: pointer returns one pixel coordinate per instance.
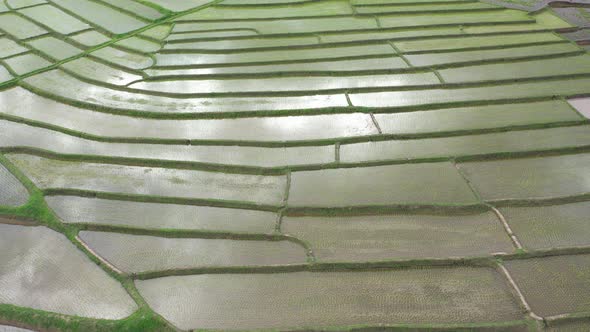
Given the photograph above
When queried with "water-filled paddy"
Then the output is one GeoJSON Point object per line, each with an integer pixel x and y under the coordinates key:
{"type": "Point", "coordinates": [458, 146]}
{"type": "Point", "coordinates": [421, 184]}
{"type": "Point", "coordinates": [401, 236]}
{"type": "Point", "coordinates": [253, 189]}
{"type": "Point", "coordinates": [293, 164]}
{"type": "Point", "coordinates": [136, 253]}
{"type": "Point", "coordinates": [323, 299]}
{"type": "Point", "coordinates": [12, 192]}
{"type": "Point", "coordinates": [554, 226]}
{"type": "Point", "coordinates": [530, 178]}
{"type": "Point", "coordinates": [72, 209]}
{"type": "Point", "coordinates": [41, 269]}
{"type": "Point", "coordinates": [553, 285]}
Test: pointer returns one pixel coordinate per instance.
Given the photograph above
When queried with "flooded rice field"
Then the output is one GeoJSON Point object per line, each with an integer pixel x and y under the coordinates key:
{"type": "Point", "coordinates": [415, 165]}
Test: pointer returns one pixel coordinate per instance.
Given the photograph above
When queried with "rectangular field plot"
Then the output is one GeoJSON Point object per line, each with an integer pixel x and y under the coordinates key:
{"type": "Point", "coordinates": [582, 105]}
{"type": "Point", "coordinates": [4, 74]}
{"type": "Point", "coordinates": [507, 92]}
{"type": "Point", "coordinates": [419, 20]}
{"type": "Point", "coordinates": [323, 299]}
{"type": "Point", "coordinates": [6, 328]}
{"type": "Point", "coordinates": [330, 66]}
{"type": "Point", "coordinates": [18, 135]}
{"type": "Point", "coordinates": [517, 70]}
{"type": "Point", "coordinates": [27, 63]}
{"type": "Point", "coordinates": [398, 2]}
{"type": "Point", "coordinates": [159, 32]}
{"type": "Point", "coordinates": [60, 84]}
{"type": "Point", "coordinates": [530, 178]}
{"type": "Point", "coordinates": [19, 27]}
{"type": "Point", "coordinates": [553, 285]}
{"type": "Point", "coordinates": [180, 5]}
{"type": "Point", "coordinates": [136, 253]}
{"type": "Point", "coordinates": [55, 48]}
{"type": "Point", "coordinates": [475, 42]}
{"type": "Point", "coordinates": [123, 58]}
{"type": "Point", "coordinates": [476, 117]}
{"type": "Point", "coordinates": [414, 7]}
{"type": "Point", "coordinates": [16, 4]}
{"type": "Point", "coordinates": [468, 145]}
{"type": "Point", "coordinates": [546, 227]}
{"type": "Point", "coordinates": [434, 59]}
{"type": "Point", "coordinates": [328, 8]}
{"type": "Point", "coordinates": [429, 183]}
{"type": "Point", "coordinates": [261, 57]}
{"type": "Point", "coordinates": [9, 47]}
{"type": "Point", "coordinates": [400, 236]}
{"type": "Point", "coordinates": [336, 37]}
{"type": "Point", "coordinates": [285, 84]}
{"type": "Point", "coordinates": [582, 324]}
{"type": "Point", "coordinates": [136, 8]}
{"type": "Point", "coordinates": [55, 19]}
{"type": "Point", "coordinates": [239, 44]}
{"type": "Point", "coordinates": [90, 38]}
{"type": "Point", "coordinates": [263, 129]}
{"type": "Point", "coordinates": [12, 192]}
{"type": "Point", "coordinates": [139, 45]}
{"type": "Point", "coordinates": [211, 34]}
{"type": "Point", "coordinates": [41, 269]}
{"type": "Point", "coordinates": [544, 20]}
{"type": "Point", "coordinates": [252, 189]}
{"type": "Point", "coordinates": [94, 70]}
{"type": "Point", "coordinates": [105, 17]}
{"type": "Point", "coordinates": [82, 210]}
{"type": "Point", "coordinates": [285, 26]}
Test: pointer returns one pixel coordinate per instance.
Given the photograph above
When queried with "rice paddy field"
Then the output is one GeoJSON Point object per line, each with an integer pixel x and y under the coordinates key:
{"type": "Point", "coordinates": [294, 165]}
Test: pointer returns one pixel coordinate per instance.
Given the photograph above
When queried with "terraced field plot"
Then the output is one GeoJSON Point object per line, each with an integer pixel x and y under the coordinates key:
{"type": "Point", "coordinates": [412, 165]}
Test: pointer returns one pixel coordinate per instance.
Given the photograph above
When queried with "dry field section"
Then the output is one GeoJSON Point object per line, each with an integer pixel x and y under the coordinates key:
{"type": "Point", "coordinates": [415, 165]}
